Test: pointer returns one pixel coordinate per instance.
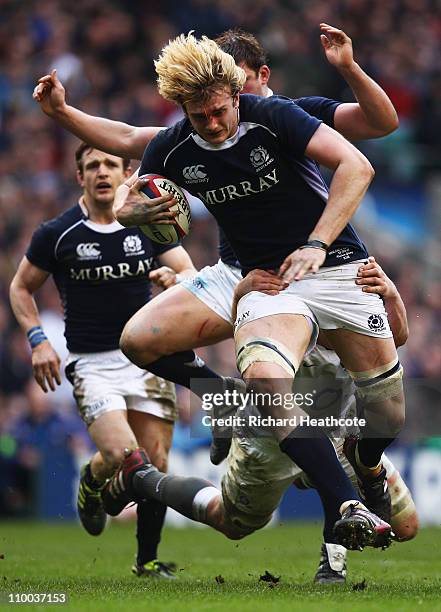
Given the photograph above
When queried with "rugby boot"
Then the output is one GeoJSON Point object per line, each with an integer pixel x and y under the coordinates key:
{"type": "Point", "coordinates": [332, 565]}
{"type": "Point", "coordinates": [90, 504]}
{"type": "Point", "coordinates": [373, 489]}
{"type": "Point", "coordinates": [222, 434]}
{"type": "Point", "coordinates": [155, 569]}
{"type": "Point", "coordinates": [358, 527]}
{"type": "Point", "coordinates": [118, 491]}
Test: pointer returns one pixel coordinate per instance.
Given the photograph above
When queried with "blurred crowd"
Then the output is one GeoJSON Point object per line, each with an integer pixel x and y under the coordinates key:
{"type": "Point", "coordinates": [104, 53]}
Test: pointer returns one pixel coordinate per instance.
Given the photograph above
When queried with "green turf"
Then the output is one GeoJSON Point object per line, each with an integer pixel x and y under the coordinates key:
{"type": "Point", "coordinates": [95, 571]}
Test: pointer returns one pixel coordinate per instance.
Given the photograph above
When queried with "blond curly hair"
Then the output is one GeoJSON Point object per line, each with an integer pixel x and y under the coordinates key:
{"type": "Point", "coordinates": [189, 69]}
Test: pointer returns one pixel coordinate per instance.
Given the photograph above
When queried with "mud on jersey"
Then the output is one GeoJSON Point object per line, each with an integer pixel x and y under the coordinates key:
{"type": "Point", "coordinates": [101, 273]}
{"type": "Point", "coordinates": [264, 193]}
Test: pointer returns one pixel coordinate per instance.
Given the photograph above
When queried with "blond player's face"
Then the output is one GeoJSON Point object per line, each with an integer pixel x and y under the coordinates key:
{"type": "Point", "coordinates": [217, 119]}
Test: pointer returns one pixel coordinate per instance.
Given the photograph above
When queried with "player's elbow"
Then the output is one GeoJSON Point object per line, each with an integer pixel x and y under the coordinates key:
{"type": "Point", "coordinates": [368, 170]}
{"type": "Point", "coordinates": [15, 290]}
{"type": "Point", "coordinates": [365, 170]}
{"type": "Point", "coordinates": [394, 124]}
{"type": "Point", "coordinates": [391, 124]}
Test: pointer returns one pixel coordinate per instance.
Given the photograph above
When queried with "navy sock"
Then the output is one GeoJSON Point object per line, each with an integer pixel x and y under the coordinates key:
{"type": "Point", "coordinates": [314, 453]}
{"type": "Point", "coordinates": [371, 449]}
{"type": "Point", "coordinates": [151, 515]}
{"type": "Point", "coordinates": [181, 368]}
{"type": "Point", "coordinates": [331, 517]}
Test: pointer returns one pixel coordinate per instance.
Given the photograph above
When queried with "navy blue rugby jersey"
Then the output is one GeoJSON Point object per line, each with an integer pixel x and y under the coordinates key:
{"type": "Point", "coordinates": [264, 193]}
{"type": "Point", "coordinates": [317, 106]}
{"type": "Point", "coordinates": [101, 272]}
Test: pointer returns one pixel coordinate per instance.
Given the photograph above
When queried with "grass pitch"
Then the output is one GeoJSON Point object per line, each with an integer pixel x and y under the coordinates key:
{"type": "Point", "coordinates": [95, 572]}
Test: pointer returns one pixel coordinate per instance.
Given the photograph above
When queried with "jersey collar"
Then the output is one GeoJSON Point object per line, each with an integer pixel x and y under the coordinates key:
{"type": "Point", "coordinates": [107, 228]}
{"type": "Point", "coordinates": [230, 142]}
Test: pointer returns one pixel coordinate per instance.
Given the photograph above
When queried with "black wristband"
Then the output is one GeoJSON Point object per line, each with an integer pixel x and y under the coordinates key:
{"type": "Point", "coordinates": [315, 244]}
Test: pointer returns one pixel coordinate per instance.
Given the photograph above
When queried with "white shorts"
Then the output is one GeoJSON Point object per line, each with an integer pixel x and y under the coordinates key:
{"type": "Point", "coordinates": [108, 381]}
{"type": "Point", "coordinates": [214, 285]}
{"type": "Point", "coordinates": [257, 476]}
{"type": "Point", "coordinates": [330, 298]}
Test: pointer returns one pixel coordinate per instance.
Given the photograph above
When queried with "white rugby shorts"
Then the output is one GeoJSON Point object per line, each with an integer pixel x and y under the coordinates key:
{"type": "Point", "coordinates": [108, 381]}
{"type": "Point", "coordinates": [330, 298]}
{"type": "Point", "coordinates": [214, 286]}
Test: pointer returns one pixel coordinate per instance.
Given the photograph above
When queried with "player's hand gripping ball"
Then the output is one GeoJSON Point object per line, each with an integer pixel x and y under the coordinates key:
{"type": "Point", "coordinates": [156, 187]}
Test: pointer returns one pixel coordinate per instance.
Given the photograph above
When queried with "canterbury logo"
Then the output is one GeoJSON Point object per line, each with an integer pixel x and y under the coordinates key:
{"type": "Point", "coordinates": [88, 250]}
{"type": "Point", "coordinates": [192, 173]}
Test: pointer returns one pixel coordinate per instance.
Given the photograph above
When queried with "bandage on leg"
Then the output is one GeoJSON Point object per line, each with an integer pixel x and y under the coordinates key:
{"type": "Point", "coordinates": [374, 388]}
{"type": "Point", "coordinates": [255, 350]}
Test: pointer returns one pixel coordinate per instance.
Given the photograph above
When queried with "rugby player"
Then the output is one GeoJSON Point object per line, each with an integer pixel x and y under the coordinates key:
{"type": "Point", "coordinates": [101, 271]}
{"type": "Point", "coordinates": [258, 474]}
{"type": "Point", "coordinates": [373, 115]}
{"type": "Point", "coordinates": [368, 114]}
{"type": "Point", "coordinates": [267, 151]}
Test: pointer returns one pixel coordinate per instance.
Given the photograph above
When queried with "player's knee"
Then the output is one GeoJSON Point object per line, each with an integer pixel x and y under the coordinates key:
{"type": "Point", "coordinates": [218, 518]}
{"type": "Point", "coordinates": [113, 457]}
{"type": "Point", "coordinates": [141, 347]}
{"type": "Point", "coordinates": [133, 346]}
{"type": "Point", "coordinates": [129, 343]}
{"type": "Point", "coordinates": [265, 358]}
{"type": "Point", "coordinates": [232, 533]}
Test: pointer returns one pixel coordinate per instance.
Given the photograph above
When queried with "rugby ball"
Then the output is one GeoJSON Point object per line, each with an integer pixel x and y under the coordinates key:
{"type": "Point", "coordinates": [156, 187]}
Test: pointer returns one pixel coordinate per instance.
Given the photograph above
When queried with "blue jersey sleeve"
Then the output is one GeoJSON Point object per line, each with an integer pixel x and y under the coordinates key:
{"type": "Point", "coordinates": [154, 156]}
{"type": "Point", "coordinates": [41, 251]}
{"type": "Point", "coordinates": [153, 162]}
{"type": "Point", "coordinates": [322, 108]}
{"type": "Point", "coordinates": [157, 152]}
{"type": "Point", "coordinates": [292, 126]}
{"type": "Point", "coordinates": [159, 249]}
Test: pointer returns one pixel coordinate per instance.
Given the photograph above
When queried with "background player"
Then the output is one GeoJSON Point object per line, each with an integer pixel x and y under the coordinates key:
{"type": "Point", "coordinates": [101, 271]}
